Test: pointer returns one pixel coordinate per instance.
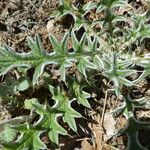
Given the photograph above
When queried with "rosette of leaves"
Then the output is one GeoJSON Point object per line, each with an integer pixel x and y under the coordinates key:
{"type": "Point", "coordinates": [139, 29]}
{"type": "Point", "coordinates": [116, 70]}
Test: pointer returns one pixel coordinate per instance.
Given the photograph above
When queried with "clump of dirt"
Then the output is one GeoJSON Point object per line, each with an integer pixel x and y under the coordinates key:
{"type": "Point", "coordinates": [23, 18]}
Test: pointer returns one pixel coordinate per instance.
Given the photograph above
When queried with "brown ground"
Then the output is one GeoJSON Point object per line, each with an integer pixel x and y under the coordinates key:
{"type": "Point", "coordinates": [22, 18]}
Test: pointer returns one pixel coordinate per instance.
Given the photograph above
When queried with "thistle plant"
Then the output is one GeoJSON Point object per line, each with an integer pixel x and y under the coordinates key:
{"type": "Point", "coordinates": [101, 52]}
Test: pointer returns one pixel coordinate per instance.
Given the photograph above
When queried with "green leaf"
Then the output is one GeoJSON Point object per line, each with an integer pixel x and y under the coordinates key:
{"type": "Point", "coordinates": [71, 122]}
{"type": "Point", "coordinates": [59, 47]}
{"type": "Point", "coordinates": [119, 19]}
{"type": "Point", "coordinates": [78, 45]}
{"type": "Point", "coordinates": [63, 67]}
{"type": "Point", "coordinates": [36, 46]}
{"type": "Point", "coordinates": [88, 6]}
{"type": "Point", "coordinates": [39, 71]}
{"type": "Point", "coordinates": [100, 8]}
{"type": "Point", "coordinates": [55, 43]}
{"type": "Point", "coordinates": [81, 96]}
{"type": "Point", "coordinates": [99, 63]}
{"type": "Point", "coordinates": [116, 70]}
{"type": "Point", "coordinates": [142, 102]}
{"type": "Point", "coordinates": [8, 87]}
{"type": "Point", "coordinates": [30, 139]}
{"type": "Point", "coordinates": [37, 143]}
{"type": "Point", "coordinates": [85, 63]}
{"type": "Point", "coordinates": [37, 58]}
{"type": "Point", "coordinates": [28, 103]}
{"type": "Point", "coordinates": [48, 119]}
{"type": "Point", "coordinates": [63, 104]}
{"type": "Point", "coordinates": [145, 32]}
{"type": "Point", "coordinates": [125, 73]}
{"type": "Point", "coordinates": [131, 130]}
{"type": "Point", "coordinates": [55, 128]}
{"type": "Point", "coordinates": [24, 84]}
{"type": "Point", "coordinates": [92, 44]}
{"type": "Point", "coordinates": [33, 104]}
{"type": "Point", "coordinates": [8, 135]}
{"type": "Point", "coordinates": [118, 3]}
{"type": "Point", "coordinates": [124, 81]}
{"type": "Point", "coordinates": [82, 99]}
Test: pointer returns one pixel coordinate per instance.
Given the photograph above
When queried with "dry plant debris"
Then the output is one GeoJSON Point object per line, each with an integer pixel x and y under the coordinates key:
{"type": "Point", "coordinates": [82, 82]}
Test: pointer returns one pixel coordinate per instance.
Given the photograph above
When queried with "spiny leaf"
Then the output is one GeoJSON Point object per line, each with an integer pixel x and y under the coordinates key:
{"type": "Point", "coordinates": [112, 3]}
{"type": "Point", "coordinates": [48, 120]}
{"type": "Point", "coordinates": [55, 128]}
{"type": "Point", "coordinates": [36, 46]}
{"type": "Point", "coordinates": [59, 47]}
{"type": "Point", "coordinates": [63, 104]}
{"type": "Point", "coordinates": [56, 45]}
{"type": "Point", "coordinates": [100, 8]}
{"type": "Point", "coordinates": [81, 96]}
{"type": "Point", "coordinates": [92, 44]}
{"type": "Point", "coordinates": [132, 132]}
{"type": "Point", "coordinates": [39, 71]}
{"type": "Point", "coordinates": [99, 63]}
{"type": "Point", "coordinates": [28, 103]}
{"type": "Point", "coordinates": [118, 3]}
{"type": "Point", "coordinates": [63, 67]}
{"type": "Point", "coordinates": [126, 82]}
{"type": "Point", "coordinates": [116, 70]}
{"type": "Point", "coordinates": [85, 63]}
{"type": "Point", "coordinates": [78, 45]}
{"type": "Point", "coordinates": [38, 59]}
{"type": "Point", "coordinates": [88, 6]}
{"type": "Point", "coordinates": [83, 99]}
{"type": "Point", "coordinates": [30, 139]}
